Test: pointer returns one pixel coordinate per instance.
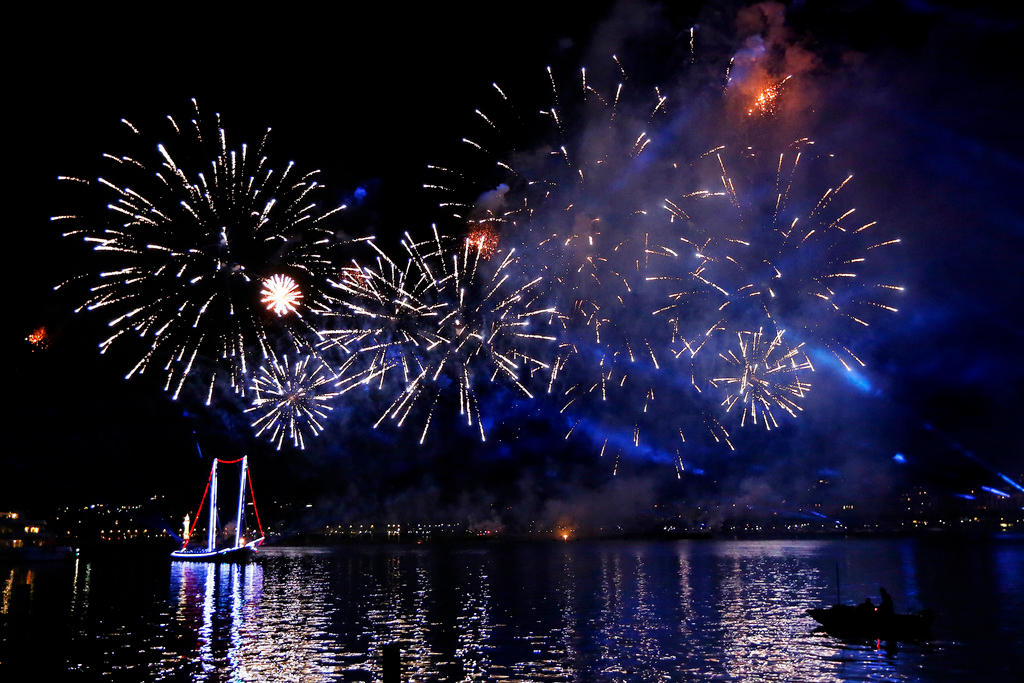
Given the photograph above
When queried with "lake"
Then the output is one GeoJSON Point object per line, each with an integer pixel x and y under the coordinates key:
{"type": "Point", "coordinates": [545, 611]}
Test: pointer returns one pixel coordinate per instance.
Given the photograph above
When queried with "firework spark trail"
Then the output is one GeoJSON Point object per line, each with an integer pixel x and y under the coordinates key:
{"type": "Point", "coordinates": [191, 232]}
{"type": "Point", "coordinates": [291, 399]}
{"type": "Point", "coordinates": [766, 375]}
{"type": "Point", "coordinates": [444, 317]}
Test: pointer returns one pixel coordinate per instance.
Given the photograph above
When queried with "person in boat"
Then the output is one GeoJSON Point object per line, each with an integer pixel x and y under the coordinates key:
{"type": "Point", "coordinates": [866, 607]}
{"type": "Point", "coordinates": [886, 608]}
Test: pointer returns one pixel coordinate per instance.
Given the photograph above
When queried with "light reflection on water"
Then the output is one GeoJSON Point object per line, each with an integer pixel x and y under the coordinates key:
{"type": "Point", "coordinates": [530, 612]}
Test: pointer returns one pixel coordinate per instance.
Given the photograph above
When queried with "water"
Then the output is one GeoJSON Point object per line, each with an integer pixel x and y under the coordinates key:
{"type": "Point", "coordinates": [585, 611]}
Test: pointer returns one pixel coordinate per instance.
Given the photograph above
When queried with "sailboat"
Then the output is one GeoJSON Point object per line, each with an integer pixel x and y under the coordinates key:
{"type": "Point", "coordinates": [242, 550]}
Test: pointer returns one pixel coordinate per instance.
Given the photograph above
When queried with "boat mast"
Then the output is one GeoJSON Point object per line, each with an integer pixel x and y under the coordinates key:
{"type": "Point", "coordinates": [241, 499]}
{"type": "Point", "coordinates": [211, 537]}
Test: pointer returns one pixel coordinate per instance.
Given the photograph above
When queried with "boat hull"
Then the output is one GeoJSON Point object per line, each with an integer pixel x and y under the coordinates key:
{"type": "Point", "coordinates": [241, 554]}
{"type": "Point", "coordinates": [850, 621]}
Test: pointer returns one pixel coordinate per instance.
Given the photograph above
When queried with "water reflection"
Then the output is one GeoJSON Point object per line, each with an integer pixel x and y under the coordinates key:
{"type": "Point", "coordinates": [473, 624]}
{"type": "Point", "coordinates": [18, 591]}
{"type": "Point", "coordinates": [5, 598]}
{"type": "Point", "coordinates": [602, 611]}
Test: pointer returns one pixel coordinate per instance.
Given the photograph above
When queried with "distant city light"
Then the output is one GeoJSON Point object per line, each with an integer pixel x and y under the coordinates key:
{"type": "Point", "coordinates": [900, 458]}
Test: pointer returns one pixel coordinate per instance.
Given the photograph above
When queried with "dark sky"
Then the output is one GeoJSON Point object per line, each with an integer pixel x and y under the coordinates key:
{"type": "Point", "coordinates": [922, 98]}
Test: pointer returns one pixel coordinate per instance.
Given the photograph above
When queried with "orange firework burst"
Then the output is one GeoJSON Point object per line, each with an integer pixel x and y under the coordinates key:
{"type": "Point", "coordinates": [764, 101]}
{"type": "Point", "coordinates": [355, 276]}
{"type": "Point", "coordinates": [484, 238]}
{"type": "Point", "coordinates": [38, 338]}
{"type": "Point", "coordinates": [280, 294]}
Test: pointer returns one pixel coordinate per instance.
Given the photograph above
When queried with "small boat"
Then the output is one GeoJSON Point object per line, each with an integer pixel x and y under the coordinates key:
{"type": "Point", "coordinates": [869, 623]}
{"type": "Point", "coordinates": [242, 550]}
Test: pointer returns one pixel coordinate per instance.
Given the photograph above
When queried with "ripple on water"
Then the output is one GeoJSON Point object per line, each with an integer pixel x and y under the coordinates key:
{"type": "Point", "coordinates": [610, 611]}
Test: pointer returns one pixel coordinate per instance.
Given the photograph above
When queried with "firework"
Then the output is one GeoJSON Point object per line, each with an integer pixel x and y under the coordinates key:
{"type": "Point", "coordinates": [765, 100]}
{"type": "Point", "coordinates": [291, 399]}
{"type": "Point", "coordinates": [39, 339]}
{"type": "Point", "coordinates": [484, 239]}
{"type": "Point", "coordinates": [193, 228]}
{"type": "Point", "coordinates": [766, 376]}
{"type": "Point", "coordinates": [798, 257]}
{"type": "Point", "coordinates": [281, 295]}
{"type": "Point", "coordinates": [445, 318]}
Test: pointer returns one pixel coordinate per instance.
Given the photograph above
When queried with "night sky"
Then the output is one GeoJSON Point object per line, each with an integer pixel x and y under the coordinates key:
{"type": "Point", "coordinates": [922, 99]}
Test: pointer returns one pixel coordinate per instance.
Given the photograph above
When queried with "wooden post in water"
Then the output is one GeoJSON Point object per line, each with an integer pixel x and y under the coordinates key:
{"type": "Point", "coordinates": [839, 600]}
{"type": "Point", "coordinates": [392, 663]}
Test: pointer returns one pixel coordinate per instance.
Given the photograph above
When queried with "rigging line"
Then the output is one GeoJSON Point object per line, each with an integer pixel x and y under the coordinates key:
{"type": "Point", "coordinates": [248, 475]}
{"type": "Point", "coordinates": [195, 520]}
